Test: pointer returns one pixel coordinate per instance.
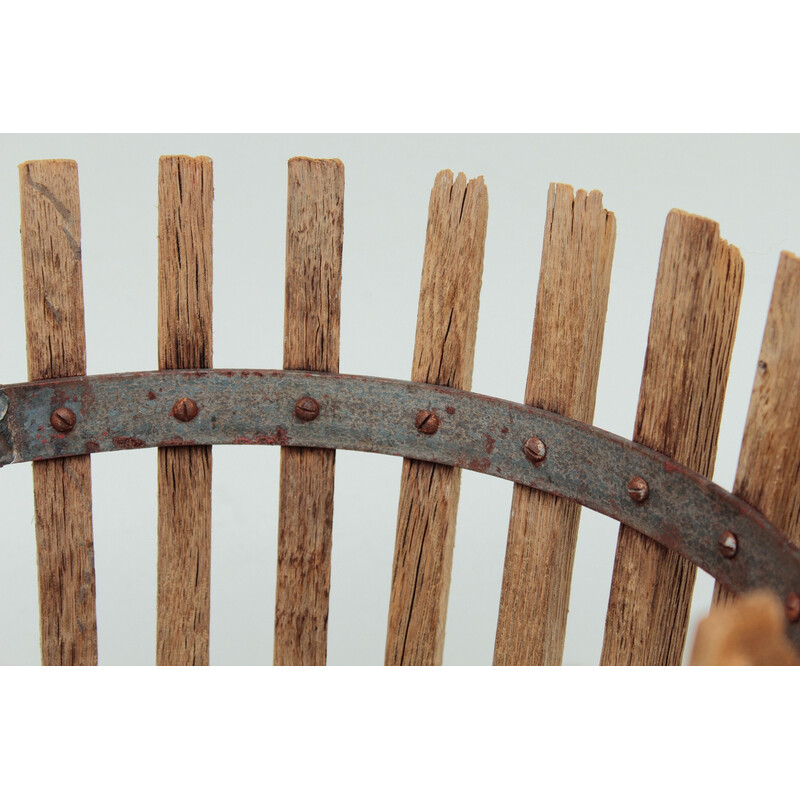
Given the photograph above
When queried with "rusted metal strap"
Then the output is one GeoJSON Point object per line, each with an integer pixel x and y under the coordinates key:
{"type": "Point", "coordinates": [633, 484]}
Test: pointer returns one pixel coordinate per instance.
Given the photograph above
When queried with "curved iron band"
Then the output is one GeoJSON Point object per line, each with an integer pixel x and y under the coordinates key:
{"type": "Point", "coordinates": [685, 511]}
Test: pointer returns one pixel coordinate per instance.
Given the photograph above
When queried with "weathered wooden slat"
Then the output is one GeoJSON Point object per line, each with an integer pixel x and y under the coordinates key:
{"type": "Point", "coordinates": [314, 230]}
{"type": "Point", "coordinates": [56, 345]}
{"type": "Point", "coordinates": [562, 377]}
{"type": "Point", "coordinates": [185, 197]}
{"type": "Point", "coordinates": [443, 354]}
{"type": "Point", "coordinates": [768, 473]}
{"type": "Point", "coordinates": [695, 310]}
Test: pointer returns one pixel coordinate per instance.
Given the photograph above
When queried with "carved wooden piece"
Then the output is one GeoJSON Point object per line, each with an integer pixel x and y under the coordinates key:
{"type": "Point", "coordinates": [56, 346]}
{"type": "Point", "coordinates": [185, 196]}
{"type": "Point", "coordinates": [314, 230]}
{"type": "Point", "coordinates": [768, 473]}
{"type": "Point", "coordinates": [750, 633]}
{"type": "Point", "coordinates": [562, 377]}
{"type": "Point", "coordinates": [692, 327]}
{"type": "Point", "coordinates": [443, 354]}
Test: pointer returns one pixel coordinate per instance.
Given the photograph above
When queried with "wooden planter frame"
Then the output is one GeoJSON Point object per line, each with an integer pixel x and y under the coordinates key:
{"type": "Point", "coordinates": [674, 518]}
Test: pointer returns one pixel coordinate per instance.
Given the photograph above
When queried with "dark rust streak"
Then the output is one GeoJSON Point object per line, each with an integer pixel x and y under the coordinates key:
{"type": "Point", "coordinates": [128, 442]}
{"type": "Point", "coordinates": [280, 437]}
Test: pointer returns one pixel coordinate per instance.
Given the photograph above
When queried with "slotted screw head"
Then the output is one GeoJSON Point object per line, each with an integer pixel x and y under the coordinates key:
{"type": "Point", "coordinates": [427, 422]}
{"type": "Point", "coordinates": [727, 544]}
{"type": "Point", "coordinates": [792, 606]}
{"type": "Point", "coordinates": [63, 419]}
{"type": "Point", "coordinates": [534, 449]}
{"type": "Point", "coordinates": [638, 489]}
{"type": "Point", "coordinates": [185, 409]}
{"type": "Point", "coordinates": [306, 409]}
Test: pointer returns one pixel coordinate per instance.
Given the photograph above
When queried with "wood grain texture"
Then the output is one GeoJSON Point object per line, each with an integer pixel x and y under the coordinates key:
{"type": "Point", "coordinates": [692, 327]}
{"type": "Point", "coordinates": [314, 231]}
{"type": "Point", "coordinates": [56, 347]}
{"type": "Point", "coordinates": [768, 473]}
{"type": "Point", "coordinates": [444, 349]}
{"type": "Point", "coordinates": [185, 197]}
{"type": "Point", "coordinates": [567, 342]}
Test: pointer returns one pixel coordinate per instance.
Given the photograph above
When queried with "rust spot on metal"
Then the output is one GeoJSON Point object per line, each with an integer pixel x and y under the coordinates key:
{"type": "Point", "coordinates": [638, 489]}
{"type": "Point", "coordinates": [727, 544]}
{"type": "Point", "coordinates": [185, 409]}
{"type": "Point", "coordinates": [92, 447]}
{"type": "Point", "coordinates": [427, 422]}
{"type": "Point", "coordinates": [534, 450]}
{"type": "Point", "coordinates": [792, 606]}
{"type": "Point", "coordinates": [128, 442]}
{"type": "Point", "coordinates": [280, 437]}
{"type": "Point", "coordinates": [488, 444]}
{"type": "Point", "coordinates": [306, 409]}
{"type": "Point", "coordinates": [504, 431]}
{"type": "Point", "coordinates": [450, 409]}
{"type": "Point", "coordinates": [151, 395]}
{"type": "Point", "coordinates": [672, 537]}
{"type": "Point", "coordinates": [674, 466]}
{"type": "Point", "coordinates": [63, 419]}
{"type": "Point", "coordinates": [480, 464]}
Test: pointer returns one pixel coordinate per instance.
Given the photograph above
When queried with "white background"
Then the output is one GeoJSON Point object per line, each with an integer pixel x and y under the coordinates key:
{"type": "Point", "coordinates": [746, 183]}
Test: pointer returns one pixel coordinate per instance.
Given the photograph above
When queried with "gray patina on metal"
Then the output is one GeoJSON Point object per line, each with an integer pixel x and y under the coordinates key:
{"type": "Point", "coordinates": [680, 509]}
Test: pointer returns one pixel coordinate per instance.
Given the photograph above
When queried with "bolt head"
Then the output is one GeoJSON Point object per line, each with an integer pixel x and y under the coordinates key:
{"type": "Point", "coordinates": [792, 606]}
{"type": "Point", "coordinates": [306, 409]}
{"type": "Point", "coordinates": [638, 489]}
{"type": "Point", "coordinates": [63, 419]}
{"type": "Point", "coordinates": [727, 544]}
{"type": "Point", "coordinates": [427, 422]}
{"type": "Point", "coordinates": [534, 450]}
{"type": "Point", "coordinates": [185, 409]}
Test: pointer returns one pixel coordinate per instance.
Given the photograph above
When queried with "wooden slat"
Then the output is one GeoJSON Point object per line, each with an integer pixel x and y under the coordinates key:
{"type": "Point", "coordinates": [56, 344]}
{"type": "Point", "coordinates": [768, 473]}
{"type": "Point", "coordinates": [562, 377]}
{"type": "Point", "coordinates": [314, 230]}
{"type": "Point", "coordinates": [692, 327]}
{"type": "Point", "coordinates": [185, 195]}
{"type": "Point", "coordinates": [443, 354]}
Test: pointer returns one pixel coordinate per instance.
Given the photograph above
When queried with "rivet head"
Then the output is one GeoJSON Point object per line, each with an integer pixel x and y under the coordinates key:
{"type": "Point", "coordinates": [638, 489]}
{"type": "Point", "coordinates": [534, 450]}
{"type": "Point", "coordinates": [727, 544]}
{"type": "Point", "coordinates": [185, 409]}
{"type": "Point", "coordinates": [427, 422]}
{"type": "Point", "coordinates": [306, 409]}
{"type": "Point", "coordinates": [792, 606]}
{"type": "Point", "coordinates": [63, 419]}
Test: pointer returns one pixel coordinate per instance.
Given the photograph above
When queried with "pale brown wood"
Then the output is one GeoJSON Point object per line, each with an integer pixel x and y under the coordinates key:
{"type": "Point", "coordinates": [185, 196]}
{"type": "Point", "coordinates": [693, 323]}
{"type": "Point", "coordinates": [56, 345]}
{"type": "Point", "coordinates": [562, 377]}
{"type": "Point", "coordinates": [768, 473]}
{"type": "Point", "coordinates": [750, 633]}
{"type": "Point", "coordinates": [314, 230]}
{"type": "Point", "coordinates": [444, 350]}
